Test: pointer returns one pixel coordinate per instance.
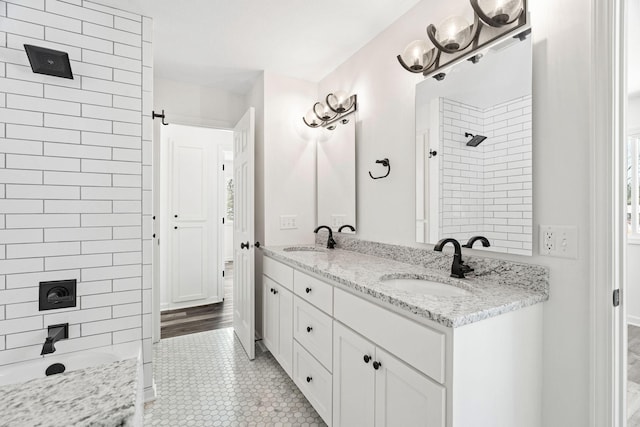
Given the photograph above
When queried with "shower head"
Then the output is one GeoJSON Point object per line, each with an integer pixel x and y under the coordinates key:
{"type": "Point", "coordinates": [475, 139]}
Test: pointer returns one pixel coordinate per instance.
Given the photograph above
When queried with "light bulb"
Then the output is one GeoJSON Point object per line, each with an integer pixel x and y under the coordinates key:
{"type": "Point", "coordinates": [501, 11]}
{"type": "Point", "coordinates": [322, 111]}
{"type": "Point", "coordinates": [311, 119]}
{"type": "Point", "coordinates": [339, 101]}
{"type": "Point", "coordinates": [454, 33]}
{"type": "Point", "coordinates": [417, 55]}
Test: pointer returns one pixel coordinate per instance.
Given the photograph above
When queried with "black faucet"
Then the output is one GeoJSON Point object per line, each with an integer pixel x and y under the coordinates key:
{"type": "Point", "coordinates": [331, 244]}
{"type": "Point", "coordinates": [56, 333]}
{"type": "Point", "coordinates": [350, 227]}
{"type": "Point", "coordinates": [458, 268]}
{"type": "Point", "coordinates": [484, 240]}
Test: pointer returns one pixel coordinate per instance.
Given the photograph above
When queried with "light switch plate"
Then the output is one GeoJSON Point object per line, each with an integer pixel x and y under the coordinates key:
{"type": "Point", "coordinates": [559, 241]}
{"type": "Point", "coordinates": [288, 222]}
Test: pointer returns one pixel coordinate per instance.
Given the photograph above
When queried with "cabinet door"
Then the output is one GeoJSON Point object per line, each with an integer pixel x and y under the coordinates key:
{"type": "Point", "coordinates": [270, 317]}
{"type": "Point", "coordinates": [405, 397]}
{"type": "Point", "coordinates": [353, 379]}
{"type": "Point", "coordinates": [285, 329]}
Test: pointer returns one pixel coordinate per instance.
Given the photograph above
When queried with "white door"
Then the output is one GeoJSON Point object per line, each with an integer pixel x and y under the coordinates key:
{"type": "Point", "coordinates": [189, 219]}
{"type": "Point", "coordinates": [404, 397]}
{"type": "Point", "coordinates": [353, 379]}
{"type": "Point", "coordinates": [243, 232]}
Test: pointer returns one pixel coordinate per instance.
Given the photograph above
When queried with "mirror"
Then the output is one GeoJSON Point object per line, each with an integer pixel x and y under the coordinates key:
{"type": "Point", "coordinates": [474, 151]}
{"type": "Point", "coordinates": [336, 176]}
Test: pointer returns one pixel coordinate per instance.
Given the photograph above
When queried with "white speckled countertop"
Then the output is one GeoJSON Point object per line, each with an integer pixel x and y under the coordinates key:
{"type": "Point", "coordinates": [103, 395]}
{"type": "Point", "coordinates": [499, 286]}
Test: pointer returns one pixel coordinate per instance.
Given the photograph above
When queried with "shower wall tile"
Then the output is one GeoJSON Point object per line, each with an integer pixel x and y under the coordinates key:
{"type": "Point", "coordinates": [487, 189]}
{"type": "Point", "coordinates": [73, 200]}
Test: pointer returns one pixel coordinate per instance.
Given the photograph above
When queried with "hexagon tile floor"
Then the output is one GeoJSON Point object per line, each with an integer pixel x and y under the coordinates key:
{"type": "Point", "coordinates": [205, 379]}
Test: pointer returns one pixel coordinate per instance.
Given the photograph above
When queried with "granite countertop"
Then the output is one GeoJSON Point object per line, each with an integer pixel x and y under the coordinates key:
{"type": "Point", "coordinates": [103, 395]}
{"type": "Point", "coordinates": [499, 288]}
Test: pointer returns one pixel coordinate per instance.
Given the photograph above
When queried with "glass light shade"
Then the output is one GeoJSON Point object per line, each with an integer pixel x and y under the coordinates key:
{"type": "Point", "coordinates": [323, 112]}
{"type": "Point", "coordinates": [501, 11]}
{"type": "Point", "coordinates": [417, 54]}
{"type": "Point", "coordinates": [454, 32]}
{"type": "Point", "coordinates": [311, 119]}
{"type": "Point", "coordinates": [339, 101]}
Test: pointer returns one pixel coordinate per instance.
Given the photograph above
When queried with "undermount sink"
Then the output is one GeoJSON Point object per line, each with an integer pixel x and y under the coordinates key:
{"type": "Point", "coordinates": [425, 287]}
{"type": "Point", "coordinates": [305, 249]}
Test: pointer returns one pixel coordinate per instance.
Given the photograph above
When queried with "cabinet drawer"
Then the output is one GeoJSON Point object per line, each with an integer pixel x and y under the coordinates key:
{"type": "Point", "coordinates": [313, 380]}
{"type": "Point", "coordinates": [419, 346]}
{"type": "Point", "coordinates": [314, 291]}
{"type": "Point", "coordinates": [314, 330]}
{"type": "Point", "coordinates": [279, 272]}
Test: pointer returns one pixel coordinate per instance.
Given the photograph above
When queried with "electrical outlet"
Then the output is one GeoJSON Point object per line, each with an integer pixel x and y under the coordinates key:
{"type": "Point", "coordinates": [338, 221]}
{"type": "Point", "coordinates": [288, 222]}
{"type": "Point", "coordinates": [559, 241]}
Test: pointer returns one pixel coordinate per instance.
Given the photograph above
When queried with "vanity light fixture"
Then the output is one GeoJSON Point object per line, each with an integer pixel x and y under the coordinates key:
{"type": "Point", "coordinates": [455, 39]}
{"type": "Point", "coordinates": [336, 107]}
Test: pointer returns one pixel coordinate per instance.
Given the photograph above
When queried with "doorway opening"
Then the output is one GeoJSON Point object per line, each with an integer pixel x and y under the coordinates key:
{"type": "Point", "coordinates": [196, 229]}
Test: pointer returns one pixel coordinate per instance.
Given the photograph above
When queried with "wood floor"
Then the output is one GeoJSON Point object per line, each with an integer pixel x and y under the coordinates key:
{"type": "Point", "coordinates": [185, 321]}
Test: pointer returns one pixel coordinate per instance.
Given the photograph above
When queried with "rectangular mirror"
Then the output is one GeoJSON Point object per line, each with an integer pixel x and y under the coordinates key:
{"type": "Point", "coordinates": [336, 176]}
{"type": "Point", "coordinates": [474, 151]}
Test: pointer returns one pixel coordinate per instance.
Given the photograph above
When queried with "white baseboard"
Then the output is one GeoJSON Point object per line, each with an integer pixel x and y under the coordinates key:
{"type": "Point", "coordinates": [633, 320]}
{"type": "Point", "coordinates": [150, 393]}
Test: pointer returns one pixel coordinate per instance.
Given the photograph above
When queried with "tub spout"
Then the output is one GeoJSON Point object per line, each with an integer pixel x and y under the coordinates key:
{"type": "Point", "coordinates": [56, 333]}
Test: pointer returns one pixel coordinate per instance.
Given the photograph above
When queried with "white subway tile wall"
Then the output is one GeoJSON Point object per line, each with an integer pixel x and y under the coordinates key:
{"type": "Point", "coordinates": [73, 201]}
{"type": "Point", "coordinates": [487, 189]}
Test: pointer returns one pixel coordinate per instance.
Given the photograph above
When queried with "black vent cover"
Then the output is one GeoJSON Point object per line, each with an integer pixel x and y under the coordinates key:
{"type": "Point", "coordinates": [48, 61]}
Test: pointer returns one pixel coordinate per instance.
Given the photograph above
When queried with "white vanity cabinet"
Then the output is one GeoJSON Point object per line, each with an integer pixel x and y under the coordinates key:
{"type": "Point", "coordinates": [361, 362]}
{"type": "Point", "coordinates": [278, 312]}
{"type": "Point", "coordinates": [373, 388]}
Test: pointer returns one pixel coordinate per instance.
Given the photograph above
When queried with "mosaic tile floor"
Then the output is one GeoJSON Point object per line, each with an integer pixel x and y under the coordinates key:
{"type": "Point", "coordinates": [205, 379]}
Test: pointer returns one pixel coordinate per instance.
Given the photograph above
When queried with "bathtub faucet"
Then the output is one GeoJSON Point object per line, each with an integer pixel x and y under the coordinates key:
{"type": "Point", "coordinates": [56, 333]}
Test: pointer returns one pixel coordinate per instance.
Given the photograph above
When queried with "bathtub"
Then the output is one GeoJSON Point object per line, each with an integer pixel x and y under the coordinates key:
{"type": "Point", "coordinates": [37, 368]}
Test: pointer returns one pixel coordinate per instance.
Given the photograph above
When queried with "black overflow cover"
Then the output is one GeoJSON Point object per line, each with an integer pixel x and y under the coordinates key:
{"type": "Point", "coordinates": [56, 368]}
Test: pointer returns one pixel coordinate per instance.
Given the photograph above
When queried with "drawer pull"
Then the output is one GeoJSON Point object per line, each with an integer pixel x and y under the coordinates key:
{"type": "Point", "coordinates": [367, 358]}
{"type": "Point", "coordinates": [309, 379]}
{"type": "Point", "coordinates": [309, 329]}
{"type": "Point", "coordinates": [308, 290]}
{"type": "Point", "coordinates": [377, 365]}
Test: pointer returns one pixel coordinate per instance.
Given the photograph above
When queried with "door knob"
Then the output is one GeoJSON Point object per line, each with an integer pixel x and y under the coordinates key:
{"type": "Point", "coordinates": [257, 245]}
{"type": "Point", "coordinates": [244, 245]}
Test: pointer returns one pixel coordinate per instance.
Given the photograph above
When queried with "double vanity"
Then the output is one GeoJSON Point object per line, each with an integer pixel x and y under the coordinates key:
{"type": "Point", "coordinates": [380, 335]}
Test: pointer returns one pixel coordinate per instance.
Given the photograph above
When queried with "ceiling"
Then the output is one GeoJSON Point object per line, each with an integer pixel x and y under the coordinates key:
{"type": "Point", "coordinates": [227, 43]}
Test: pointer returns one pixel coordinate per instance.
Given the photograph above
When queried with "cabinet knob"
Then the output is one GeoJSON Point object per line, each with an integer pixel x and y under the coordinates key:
{"type": "Point", "coordinates": [271, 290]}
{"type": "Point", "coordinates": [377, 365]}
{"type": "Point", "coordinates": [275, 291]}
{"type": "Point", "coordinates": [175, 227]}
{"type": "Point", "coordinates": [309, 379]}
{"type": "Point", "coordinates": [175, 216]}
{"type": "Point", "coordinates": [367, 358]}
{"type": "Point", "coordinates": [308, 290]}
{"type": "Point", "coordinates": [309, 329]}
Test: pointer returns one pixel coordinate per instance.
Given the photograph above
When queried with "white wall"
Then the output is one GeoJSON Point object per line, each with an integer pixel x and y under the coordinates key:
{"type": "Point", "coordinates": [561, 190]}
{"type": "Point", "coordinates": [190, 104]}
{"type": "Point", "coordinates": [75, 169]}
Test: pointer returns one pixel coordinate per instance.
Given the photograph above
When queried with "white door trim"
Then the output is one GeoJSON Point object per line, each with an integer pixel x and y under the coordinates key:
{"type": "Point", "coordinates": [607, 246]}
